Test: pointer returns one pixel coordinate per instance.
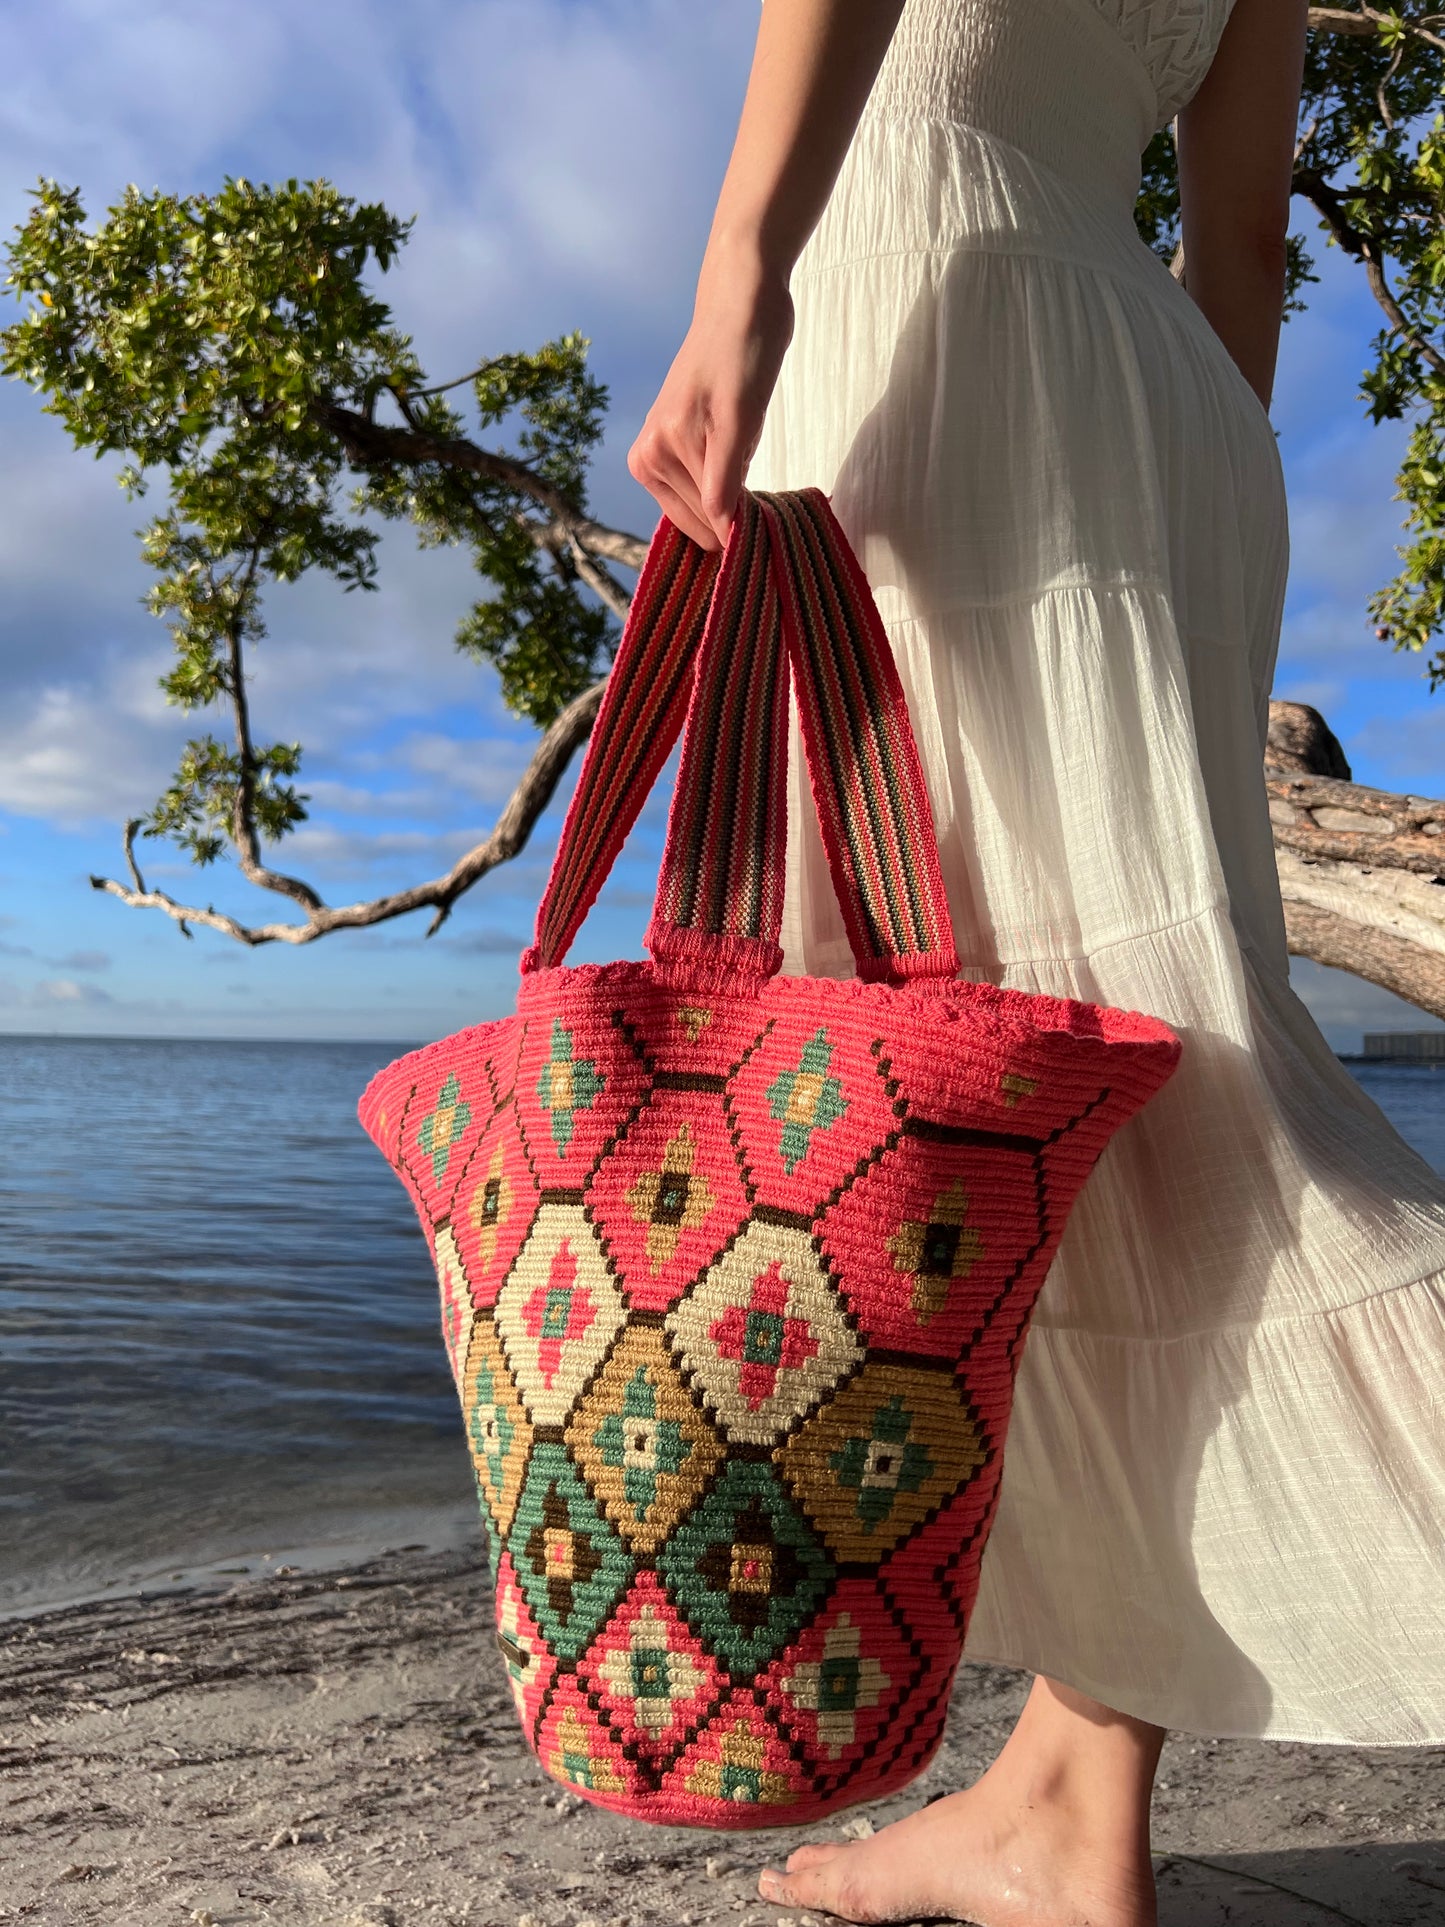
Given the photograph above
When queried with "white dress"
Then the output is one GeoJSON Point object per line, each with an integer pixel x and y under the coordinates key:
{"type": "Point", "coordinates": [1224, 1492]}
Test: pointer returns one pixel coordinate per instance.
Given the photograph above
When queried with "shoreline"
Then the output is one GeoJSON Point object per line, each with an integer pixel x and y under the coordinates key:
{"type": "Point", "coordinates": [372, 1534]}
{"type": "Point", "coordinates": [337, 1747]}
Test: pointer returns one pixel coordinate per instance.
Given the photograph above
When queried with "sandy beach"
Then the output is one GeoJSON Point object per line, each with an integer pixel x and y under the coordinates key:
{"type": "Point", "coordinates": [337, 1748]}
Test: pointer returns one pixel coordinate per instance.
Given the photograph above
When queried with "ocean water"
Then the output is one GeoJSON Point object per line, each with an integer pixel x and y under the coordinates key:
{"type": "Point", "coordinates": [219, 1329]}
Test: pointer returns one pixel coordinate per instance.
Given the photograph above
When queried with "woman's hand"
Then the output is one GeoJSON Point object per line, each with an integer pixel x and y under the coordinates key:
{"type": "Point", "coordinates": [694, 448]}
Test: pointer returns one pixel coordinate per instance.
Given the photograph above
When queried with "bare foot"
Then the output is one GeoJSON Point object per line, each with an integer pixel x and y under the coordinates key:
{"type": "Point", "coordinates": [1055, 1834]}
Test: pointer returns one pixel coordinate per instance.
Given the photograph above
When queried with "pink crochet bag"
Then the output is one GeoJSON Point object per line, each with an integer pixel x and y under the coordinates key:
{"type": "Point", "coordinates": [736, 1267]}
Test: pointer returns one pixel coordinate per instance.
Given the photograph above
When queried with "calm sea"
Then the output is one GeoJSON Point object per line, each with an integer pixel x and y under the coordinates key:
{"type": "Point", "coordinates": [218, 1323]}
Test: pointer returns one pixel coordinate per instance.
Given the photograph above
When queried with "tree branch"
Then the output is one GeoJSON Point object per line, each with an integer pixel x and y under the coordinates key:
{"type": "Point", "coordinates": [1322, 816]}
{"type": "Point", "coordinates": [368, 443]}
{"type": "Point", "coordinates": [243, 816]}
{"type": "Point", "coordinates": [1328, 202]}
{"type": "Point", "coordinates": [1367, 21]}
{"type": "Point", "coordinates": [507, 839]}
{"type": "Point", "coordinates": [1379, 956]}
{"type": "Point", "coordinates": [1359, 870]}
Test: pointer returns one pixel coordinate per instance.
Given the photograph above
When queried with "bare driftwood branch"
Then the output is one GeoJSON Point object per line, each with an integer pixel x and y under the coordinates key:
{"type": "Point", "coordinates": [1321, 816]}
{"type": "Point", "coordinates": [1318, 812]}
{"type": "Point", "coordinates": [1379, 956]}
{"type": "Point", "coordinates": [1361, 871]}
{"type": "Point", "coordinates": [507, 839]}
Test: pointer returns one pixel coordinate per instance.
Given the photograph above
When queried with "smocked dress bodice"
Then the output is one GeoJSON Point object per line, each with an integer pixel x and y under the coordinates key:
{"type": "Point", "coordinates": [1080, 85]}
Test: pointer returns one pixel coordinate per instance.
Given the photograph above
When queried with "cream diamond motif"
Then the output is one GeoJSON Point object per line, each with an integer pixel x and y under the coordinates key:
{"type": "Point", "coordinates": [763, 1333]}
{"type": "Point", "coordinates": [558, 1312]}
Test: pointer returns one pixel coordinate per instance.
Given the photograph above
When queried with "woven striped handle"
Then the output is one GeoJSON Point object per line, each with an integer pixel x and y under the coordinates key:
{"type": "Point", "coordinates": [787, 593]}
{"type": "Point", "coordinates": [638, 721]}
{"type": "Point", "coordinates": [863, 764]}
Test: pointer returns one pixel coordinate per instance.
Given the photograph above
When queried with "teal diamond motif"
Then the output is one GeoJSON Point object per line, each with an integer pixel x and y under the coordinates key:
{"type": "Point", "coordinates": [568, 1084]}
{"type": "Point", "coordinates": [571, 1565]}
{"type": "Point", "coordinates": [887, 1462]}
{"type": "Point", "coordinates": [806, 1099]}
{"type": "Point", "coordinates": [745, 1567]}
{"type": "Point", "coordinates": [443, 1125]}
{"type": "Point", "coordinates": [640, 1444]}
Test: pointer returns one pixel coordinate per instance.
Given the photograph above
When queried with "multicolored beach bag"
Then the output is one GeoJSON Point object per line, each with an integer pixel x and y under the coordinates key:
{"type": "Point", "coordinates": [736, 1266]}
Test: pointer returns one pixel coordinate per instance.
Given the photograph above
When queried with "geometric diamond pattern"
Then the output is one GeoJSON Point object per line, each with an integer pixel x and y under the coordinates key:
{"type": "Point", "coordinates": [842, 1677]}
{"type": "Point", "coordinates": [456, 1300]}
{"type": "Point", "coordinates": [926, 1240]}
{"type": "Point", "coordinates": [892, 1447]}
{"type": "Point", "coordinates": [575, 1749]}
{"type": "Point", "coordinates": [651, 1674]}
{"type": "Point", "coordinates": [738, 1760]}
{"type": "Point", "coordinates": [567, 1083]}
{"type": "Point", "coordinates": [498, 1430]}
{"type": "Point", "coordinates": [577, 1082]}
{"type": "Point", "coordinates": [810, 1106]}
{"type": "Point", "coordinates": [443, 1125]}
{"type": "Point", "coordinates": [519, 1640]}
{"type": "Point", "coordinates": [763, 1334]}
{"type": "Point", "coordinates": [732, 1282]}
{"type": "Point", "coordinates": [745, 1567]}
{"type": "Point", "coordinates": [934, 1253]}
{"type": "Point", "coordinates": [558, 1311]}
{"type": "Point", "coordinates": [669, 1196]}
{"type": "Point", "coordinates": [570, 1563]}
{"type": "Point", "coordinates": [805, 1100]}
{"type": "Point", "coordinates": [493, 1206]}
{"type": "Point", "coordinates": [643, 1447]}
{"type": "Point", "coordinates": [444, 1116]}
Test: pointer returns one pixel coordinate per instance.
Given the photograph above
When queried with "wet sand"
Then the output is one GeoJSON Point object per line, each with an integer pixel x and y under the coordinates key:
{"type": "Point", "coordinates": [338, 1748]}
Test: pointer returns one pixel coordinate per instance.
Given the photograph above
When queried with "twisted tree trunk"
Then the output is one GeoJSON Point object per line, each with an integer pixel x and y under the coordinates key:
{"type": "Point", "coordinates": [1361, 871]}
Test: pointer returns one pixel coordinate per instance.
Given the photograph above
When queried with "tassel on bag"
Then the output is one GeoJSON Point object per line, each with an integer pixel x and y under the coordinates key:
{"type": "Point", "coordinates": [736, 1267]}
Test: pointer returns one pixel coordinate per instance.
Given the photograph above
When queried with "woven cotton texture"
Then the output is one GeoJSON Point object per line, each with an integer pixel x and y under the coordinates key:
{"type": "Point", "coordinates": [736, 1267]}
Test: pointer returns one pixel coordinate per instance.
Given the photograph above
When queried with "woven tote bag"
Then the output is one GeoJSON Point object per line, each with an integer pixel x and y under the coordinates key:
{"type": "Point", "coordinates": [735, 1266]}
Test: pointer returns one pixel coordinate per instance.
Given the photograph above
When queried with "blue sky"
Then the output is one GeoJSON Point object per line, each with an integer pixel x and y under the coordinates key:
{"type": "Point", "coordinates": [561, 159]}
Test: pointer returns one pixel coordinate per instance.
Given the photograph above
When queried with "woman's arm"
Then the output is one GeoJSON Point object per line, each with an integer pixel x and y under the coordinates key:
{"type": "Point", "coordinates": [1236, 158]}
{"type": "Point", "coordinates": [814, 65]}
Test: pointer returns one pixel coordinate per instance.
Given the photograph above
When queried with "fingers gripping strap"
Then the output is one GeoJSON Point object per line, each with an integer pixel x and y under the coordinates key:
{"type": "Point", "coordinates": [638, 721]}
{"type": "Point", "coordinates": [720, 888]}
{"type": "Point", "coordinates": [863, 765]}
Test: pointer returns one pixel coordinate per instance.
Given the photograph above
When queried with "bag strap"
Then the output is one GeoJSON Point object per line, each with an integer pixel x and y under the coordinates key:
{"type": "Point", "coordinates": [787, 593]}
{"type": "Point", "coordinates": [720, 886]}
{"type": "Point", "coordinates": [863, 763]}
{"type": "Point", "coordinates": [638, 720]}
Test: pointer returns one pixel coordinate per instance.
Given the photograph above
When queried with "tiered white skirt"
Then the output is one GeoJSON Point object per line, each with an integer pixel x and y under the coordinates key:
{"type": "Point", "coordinates": [1224, 1494]}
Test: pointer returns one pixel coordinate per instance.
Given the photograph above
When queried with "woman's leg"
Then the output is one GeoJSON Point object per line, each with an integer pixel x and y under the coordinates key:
{"type": "Point", "coordinates": [1055, 1834]}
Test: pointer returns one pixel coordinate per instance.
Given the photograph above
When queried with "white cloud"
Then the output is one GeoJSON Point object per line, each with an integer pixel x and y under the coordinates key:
{"type": "Point", "coordinates": [65, 990]}
{"type": "Point", "coordinates": [77, 753]}
{"type": "Point", "coordinates": [336, 852]}
{"type": "Point", "coordinates": [486, 769]}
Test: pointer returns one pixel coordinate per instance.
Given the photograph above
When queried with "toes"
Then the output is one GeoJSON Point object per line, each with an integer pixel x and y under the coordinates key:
{"type": "Point", "coordinates": [821, 1887]}
{"type": "Point", "coordinates": [812, 1855]}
